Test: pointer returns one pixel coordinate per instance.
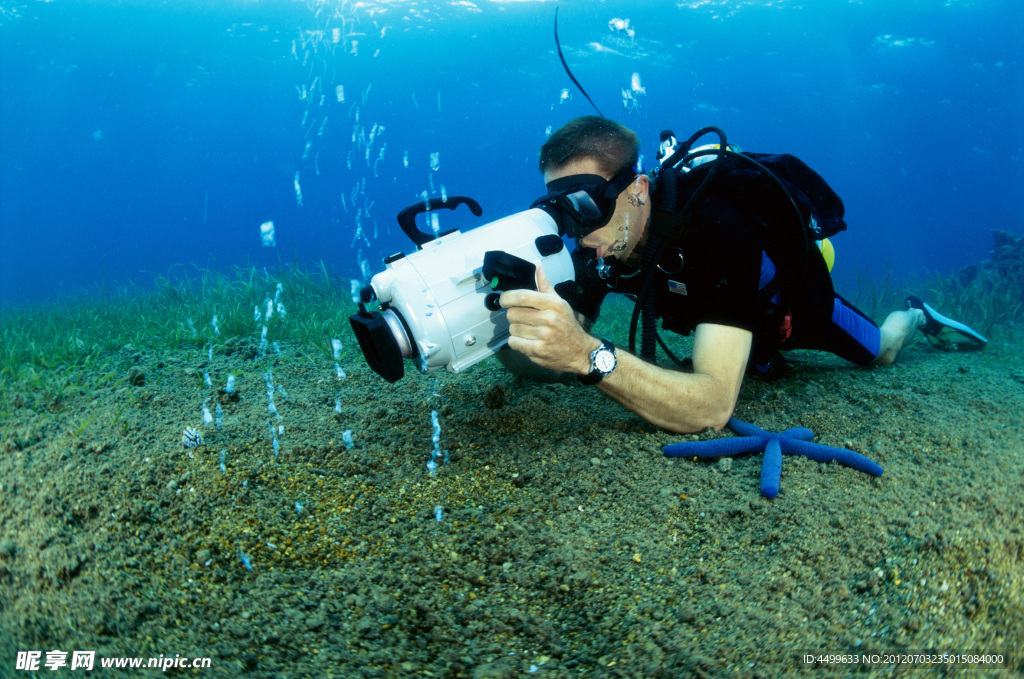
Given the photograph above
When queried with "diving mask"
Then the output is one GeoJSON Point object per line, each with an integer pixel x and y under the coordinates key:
{"type": "Point", "coordinates": [583, 203]}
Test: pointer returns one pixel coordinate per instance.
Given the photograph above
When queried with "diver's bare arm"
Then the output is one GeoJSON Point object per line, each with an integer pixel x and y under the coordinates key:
{"type": "Point", "coordinates": [542, 326]}
{"type": "Point", "coordinates": [684, 402]}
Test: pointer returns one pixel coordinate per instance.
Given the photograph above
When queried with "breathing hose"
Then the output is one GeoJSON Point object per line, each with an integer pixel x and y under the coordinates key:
{"type": "Point", "coordinates": [665, 221]}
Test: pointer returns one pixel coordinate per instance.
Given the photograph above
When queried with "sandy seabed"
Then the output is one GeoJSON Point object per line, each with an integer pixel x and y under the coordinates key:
{"type": "Point", "coordinates": [567, 544]}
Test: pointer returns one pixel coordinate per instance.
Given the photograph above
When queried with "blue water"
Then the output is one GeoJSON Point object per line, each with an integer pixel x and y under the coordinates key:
{"type": "Point", "coordinates": [137, 136]}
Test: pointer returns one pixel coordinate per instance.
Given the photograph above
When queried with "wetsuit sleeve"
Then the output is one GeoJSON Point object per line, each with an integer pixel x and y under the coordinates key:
{"type": "Point", "coordinates": [586, 294]}
{"type": "Point", "coordinates": [724, 257]}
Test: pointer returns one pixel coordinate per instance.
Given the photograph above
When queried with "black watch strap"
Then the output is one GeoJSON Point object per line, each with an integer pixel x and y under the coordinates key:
{"type": "Point", "coordinates": [596, 375]}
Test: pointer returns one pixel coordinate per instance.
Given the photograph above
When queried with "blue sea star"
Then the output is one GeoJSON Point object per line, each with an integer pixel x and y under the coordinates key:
{"type": "Point", "coordinates": [752, 439]}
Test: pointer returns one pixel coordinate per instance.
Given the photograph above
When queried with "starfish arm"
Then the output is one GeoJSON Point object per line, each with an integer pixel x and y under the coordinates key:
{"type": "Point", "coordinates": [745, 428]}
{"type": "Point", "coordinates": [717, 447]}
{"type": "Point", "coordinates": [771, 469]}
{"type": "Point", "coordinates": [822, 453]}
{"type": "Point", "coordinates": [801, 433]}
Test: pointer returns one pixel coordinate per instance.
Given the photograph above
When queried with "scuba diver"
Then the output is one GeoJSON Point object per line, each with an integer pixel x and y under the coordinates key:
{"type": "Point", "coordinates": [715, 242]}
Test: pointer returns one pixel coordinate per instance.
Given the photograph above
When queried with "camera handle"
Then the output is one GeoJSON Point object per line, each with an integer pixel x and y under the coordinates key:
{"type": "Point", "coordinates": [505, 271]}
{"type": "Point", "coordinates": [407, 217]}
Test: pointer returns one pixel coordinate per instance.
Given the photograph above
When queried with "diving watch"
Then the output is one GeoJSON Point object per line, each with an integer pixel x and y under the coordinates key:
{"type": "Point", "coordinates": [602, 363]}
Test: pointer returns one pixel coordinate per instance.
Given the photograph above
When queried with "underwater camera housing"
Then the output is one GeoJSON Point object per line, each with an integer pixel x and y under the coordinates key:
{"type": "Point", "coordinates": [440, 304]}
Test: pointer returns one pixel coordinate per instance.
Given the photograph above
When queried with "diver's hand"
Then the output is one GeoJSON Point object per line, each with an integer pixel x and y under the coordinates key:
{"type": "Point", "coordinates": [544, 328]}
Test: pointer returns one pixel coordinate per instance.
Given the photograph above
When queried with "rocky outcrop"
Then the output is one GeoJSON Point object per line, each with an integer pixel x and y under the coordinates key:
{"type": "Point", "coordinates": [1005, 261]}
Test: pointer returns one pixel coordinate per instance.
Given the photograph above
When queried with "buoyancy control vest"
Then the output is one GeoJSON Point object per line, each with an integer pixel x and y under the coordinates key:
{"type": "Point", "coordinates": [778, 192]}
{"type": "Point", "coordinates": [789, 236]}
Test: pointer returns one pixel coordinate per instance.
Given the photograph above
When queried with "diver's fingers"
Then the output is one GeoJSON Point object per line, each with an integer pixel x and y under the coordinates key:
{"type": "Point", "coordinates": [530, 298]}
{"type": "Point", "coordinates": [543, 284]}
{"type": "Point", "coordinates": [528, 332]}
{"type": "Point", "coordinates": [530, 341]}
{"type": "Point", "coordinates": [523, 316]}
{"type": "Point", "coordinates": [519, 344]}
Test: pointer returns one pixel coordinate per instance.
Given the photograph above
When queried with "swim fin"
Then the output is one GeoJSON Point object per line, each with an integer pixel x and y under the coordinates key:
{"type": "Point", "coordinates": [942, 331]}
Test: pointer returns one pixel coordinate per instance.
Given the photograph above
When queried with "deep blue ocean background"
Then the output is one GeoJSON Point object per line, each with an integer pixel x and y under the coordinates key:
{"type": "Point", "coordinates": [142, 137]}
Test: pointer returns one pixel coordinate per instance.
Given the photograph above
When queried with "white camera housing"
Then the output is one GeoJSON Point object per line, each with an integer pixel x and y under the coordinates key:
{"type": "Point", "coordinates": [434, 300]}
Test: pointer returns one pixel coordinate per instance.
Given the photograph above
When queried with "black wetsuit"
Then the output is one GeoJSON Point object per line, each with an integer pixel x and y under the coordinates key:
{"type": "Point", "coordinates": [731, 269]}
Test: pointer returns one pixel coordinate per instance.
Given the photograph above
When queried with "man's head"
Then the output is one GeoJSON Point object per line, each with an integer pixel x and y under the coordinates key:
{"type": "Point", "coordinates": [588, 167]}
{"type": "Point", "coordinates": [612, 145]}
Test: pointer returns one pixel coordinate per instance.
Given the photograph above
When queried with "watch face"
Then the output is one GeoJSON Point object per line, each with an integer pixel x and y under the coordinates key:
{"type": "Point", "coordinates": [604, 361]}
